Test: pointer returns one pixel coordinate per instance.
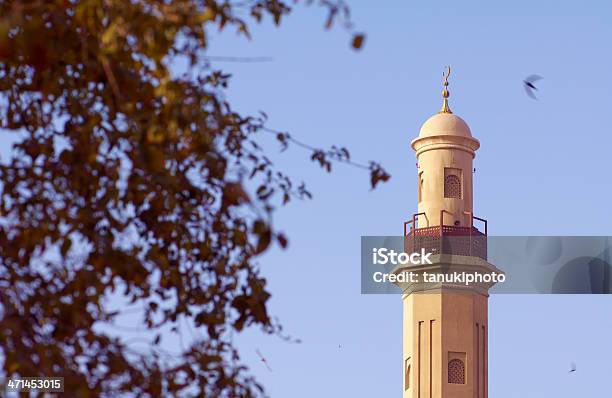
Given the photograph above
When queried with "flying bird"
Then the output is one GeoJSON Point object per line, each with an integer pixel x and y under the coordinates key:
{"type": "Point", "coordinates": [263, 360]}
{"type": "Point", "coordinates": [572, 367]}
{"type": "Point", "coordinates": [530, 87]}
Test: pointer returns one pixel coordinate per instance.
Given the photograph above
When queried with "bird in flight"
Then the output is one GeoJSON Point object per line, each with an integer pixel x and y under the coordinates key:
{"type": "Point", "coordinates": [264, 360]}
{"type": "Point", "coordinates": [529, 86]}
{"type": "Point", "coordinates": [572, 367]}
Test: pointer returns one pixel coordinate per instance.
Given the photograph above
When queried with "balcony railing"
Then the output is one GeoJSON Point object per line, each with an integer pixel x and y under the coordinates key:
{"type": "Point", "coordinates": [446, 239]}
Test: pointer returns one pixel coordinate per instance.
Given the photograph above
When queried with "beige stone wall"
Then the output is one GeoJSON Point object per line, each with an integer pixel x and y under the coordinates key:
{"type": "Point", "coordinates": [440, 327]}
{"type": "Point", "coordinates": [434, 155]}
{"type": "Point", "coordinates": [422, 341]}
{"type": "Point", "coordinates": [432, 165]}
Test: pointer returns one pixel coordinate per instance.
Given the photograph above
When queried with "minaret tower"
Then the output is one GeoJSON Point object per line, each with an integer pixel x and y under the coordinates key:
{"type": "Point", "coordinates": [445, 324]}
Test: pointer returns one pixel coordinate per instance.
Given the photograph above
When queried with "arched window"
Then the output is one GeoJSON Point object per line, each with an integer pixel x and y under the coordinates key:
{"type": "Point", "coordinates": [452, 186]}
{"type": "Point", "coordinates": [420, 186]}
{"type": "Point", "coordinates": [456, 371]}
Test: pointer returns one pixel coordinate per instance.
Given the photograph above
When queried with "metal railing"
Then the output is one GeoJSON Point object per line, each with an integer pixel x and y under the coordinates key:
{"type": "Point", "coordinates": [446, 239]}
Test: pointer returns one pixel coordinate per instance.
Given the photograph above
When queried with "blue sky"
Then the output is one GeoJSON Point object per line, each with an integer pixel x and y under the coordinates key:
{"type": "Point", "coordinates": [542, 170]}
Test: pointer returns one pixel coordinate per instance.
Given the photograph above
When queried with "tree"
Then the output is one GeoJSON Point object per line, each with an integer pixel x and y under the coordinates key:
{"type": "Point", "coordinates": [127, 180]}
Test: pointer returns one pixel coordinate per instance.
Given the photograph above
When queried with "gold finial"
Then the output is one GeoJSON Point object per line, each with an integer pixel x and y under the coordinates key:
{"type": "Point", "coordinates": [445, 93]}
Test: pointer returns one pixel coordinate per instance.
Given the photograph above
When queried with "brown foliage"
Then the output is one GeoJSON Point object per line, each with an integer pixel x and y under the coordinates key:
{"type": "Point", "coordinates": [130, 181]}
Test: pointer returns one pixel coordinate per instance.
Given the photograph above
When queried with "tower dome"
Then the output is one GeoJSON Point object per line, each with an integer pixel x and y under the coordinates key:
{"type": "Point", "coordinates": [445, 128]}
{"type": "Point", "coordinates": [445, 124]}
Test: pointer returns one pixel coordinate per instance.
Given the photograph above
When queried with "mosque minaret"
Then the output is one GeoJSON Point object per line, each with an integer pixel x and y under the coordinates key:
{"type": "Point", "coordinates": [445, 325]}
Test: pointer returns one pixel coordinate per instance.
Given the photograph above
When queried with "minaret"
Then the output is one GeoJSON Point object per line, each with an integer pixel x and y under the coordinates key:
{"type": "Point", "coordinates": [445, 325]}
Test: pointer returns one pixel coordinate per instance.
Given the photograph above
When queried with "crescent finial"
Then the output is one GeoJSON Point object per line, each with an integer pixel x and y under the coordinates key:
{"type": "Point", "coordinates": [445, 93]}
